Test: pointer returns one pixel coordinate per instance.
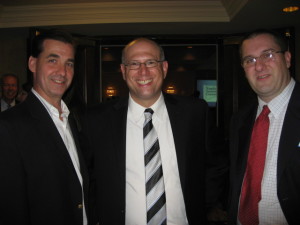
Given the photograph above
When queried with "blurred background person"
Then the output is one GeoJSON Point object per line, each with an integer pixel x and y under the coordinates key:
{"type": "Point", "coordinates": [9, 89]}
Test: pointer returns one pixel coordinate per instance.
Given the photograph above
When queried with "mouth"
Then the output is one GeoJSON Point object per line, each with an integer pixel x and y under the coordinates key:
{"type": "Point", "coordinates": [144, 82]}
{"type": "Point", "coordinates": [58, 81]}
{"type": "Point", "coordinates": [262, 76]}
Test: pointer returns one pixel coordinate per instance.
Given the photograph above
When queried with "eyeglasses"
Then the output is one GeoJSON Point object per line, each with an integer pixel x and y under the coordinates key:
{"type": "Point", "coordinates": [264, 57]}
{"type": "Point", "coordinates": [135, 65]}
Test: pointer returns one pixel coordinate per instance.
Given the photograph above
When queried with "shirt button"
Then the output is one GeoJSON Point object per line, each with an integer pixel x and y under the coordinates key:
{"type": "Point", "coordinates": [80, 206]}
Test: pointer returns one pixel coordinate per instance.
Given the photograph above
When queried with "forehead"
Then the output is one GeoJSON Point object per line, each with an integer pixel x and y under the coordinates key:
{"type": "Point", "coordinates": [9, 79]}
{"type": "Point", "coordinates": [258, 44]}
{"type": "Point", "coordinates": [142, 48]}
{"type": "Point", "coordinates": [56, 46]}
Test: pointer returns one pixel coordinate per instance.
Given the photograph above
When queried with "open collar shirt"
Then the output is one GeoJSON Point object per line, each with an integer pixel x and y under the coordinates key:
{"type": "Point", "coordinates": [65, 132]}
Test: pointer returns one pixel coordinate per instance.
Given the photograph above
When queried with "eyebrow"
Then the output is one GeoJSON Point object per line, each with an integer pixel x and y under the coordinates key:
{"type": "Point", "coordinates": [52, 55]}
{"type": "Point", "coordinates": [57, 56]}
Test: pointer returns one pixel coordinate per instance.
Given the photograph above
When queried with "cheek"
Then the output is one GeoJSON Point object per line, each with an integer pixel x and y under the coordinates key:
{"type": "Point", "coordinates": [70, 73]}
{"type": "Point", "coordinates": [70, 69]}
{"type": "Point", "coordinates": [249, 73]}
{"type": "Point", "coordinates": [130, 75]}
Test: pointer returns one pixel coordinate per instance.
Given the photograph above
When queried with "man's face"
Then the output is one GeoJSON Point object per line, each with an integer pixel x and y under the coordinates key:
{"type": "Point", "coordinates": [53, 70]}
{"type": "Point", "coordinates": [269, 78]}
{"type": "Point", "coordinates": [144, 83]}
{"type": "Point", "coordinates": [9, 88]}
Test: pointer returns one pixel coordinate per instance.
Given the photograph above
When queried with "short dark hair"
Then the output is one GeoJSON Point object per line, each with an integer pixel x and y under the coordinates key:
{"type": "Point", "coordinates": [8, 75]}
{"type": "Point", "coordinates": [53, 34]}
{"type": "Point", "coordinates": [278, 38]}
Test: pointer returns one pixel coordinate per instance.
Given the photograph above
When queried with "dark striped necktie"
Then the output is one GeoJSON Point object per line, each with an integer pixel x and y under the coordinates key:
{"type": "Point", "coordinates": [155, 188]}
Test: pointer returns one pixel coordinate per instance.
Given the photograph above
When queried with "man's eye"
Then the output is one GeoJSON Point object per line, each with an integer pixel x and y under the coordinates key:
{"type": "Point", "coordinates": [150, 63]}
{"type": "Point", "coordinates": [268, 55]}
{"type": "Point", "coordinates": [134, 63]}
{"type": "Point", "coordinates": [52, 60]}
{"type": "Point", "coordinates": [250, 60]}
{"type": "Point", "coordinates": [70, 64]}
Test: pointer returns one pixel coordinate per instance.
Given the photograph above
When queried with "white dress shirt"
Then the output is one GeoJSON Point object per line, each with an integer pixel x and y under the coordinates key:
{"type": "Point", "coordinates": [4, 104]}
{"type": "Point", "coordinates": [269, 210]}
{"type": "Point", "coordinates": [65, 132]}
{"type": "Point", "coordinates": [135, 169]}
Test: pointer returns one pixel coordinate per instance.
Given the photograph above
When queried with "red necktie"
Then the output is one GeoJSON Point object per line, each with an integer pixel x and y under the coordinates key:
{"type": "Point", "coordinates": [251, 189]}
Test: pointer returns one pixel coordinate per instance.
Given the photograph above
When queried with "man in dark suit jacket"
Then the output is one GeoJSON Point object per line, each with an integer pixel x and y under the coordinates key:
{"type": "Point", "coordinates": [113, 134]}
{"type": "Point", "coordinates": [266, 62]}
{"type": "Point", "coordinates": [43, 176]}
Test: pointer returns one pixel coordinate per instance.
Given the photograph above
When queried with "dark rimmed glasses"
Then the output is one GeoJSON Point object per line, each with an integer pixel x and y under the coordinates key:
{"type": "Point", "coordinates": [135, 65]}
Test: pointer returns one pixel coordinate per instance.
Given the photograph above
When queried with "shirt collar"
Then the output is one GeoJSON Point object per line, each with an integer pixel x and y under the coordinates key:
{"type": "Point", "coordinates": [137, 111]}
{"type": "Point", "coordinates": [13, 103]}
{"type": "Point", "coordinates": [51, 109]}
{"type": "Point", "coordinates": [277, 104]}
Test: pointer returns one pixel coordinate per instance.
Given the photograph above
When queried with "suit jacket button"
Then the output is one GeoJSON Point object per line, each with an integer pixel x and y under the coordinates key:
{"type": "Point", "coordinates": [80, 206]}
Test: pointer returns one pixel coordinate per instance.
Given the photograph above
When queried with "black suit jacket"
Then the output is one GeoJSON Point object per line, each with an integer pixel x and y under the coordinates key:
{"type": "Point", "coordinates": [288, 164]}
{"type": "Point", "coordinates": [39, 185]}
{"type": "Point", "coordinates": [105, 136]}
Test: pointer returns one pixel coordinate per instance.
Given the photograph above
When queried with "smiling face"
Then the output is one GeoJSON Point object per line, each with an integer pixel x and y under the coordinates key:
{"type": "Point", "coordinates": [267, 79]}
{"type": "Point", "coordinates": [9, 88]}
{"type": "Point", "coordinates": [144, 83]}
{"type": "Point", "coordinates": [53, 70]}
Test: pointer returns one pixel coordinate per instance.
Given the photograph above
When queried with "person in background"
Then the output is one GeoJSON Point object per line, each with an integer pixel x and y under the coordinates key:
{"type": "Point", "coordinates": [264, 137]}
{"type": "Point", "coordinates": [150, 172]}
{"type": "Point", "coordinates": [44, 180]}
{"type": "Point", "coordinates": [9, 89]}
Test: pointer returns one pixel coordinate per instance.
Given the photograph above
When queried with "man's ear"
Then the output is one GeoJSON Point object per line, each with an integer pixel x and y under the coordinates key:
{"type": "Point", "coordinates": [165, 68]}
{"type": "Point", "coordinates": [123, 70]}
{"type": "Point", "coordinates": [288, 58]}
{"type": "Point", "coordinates": [32, 64]}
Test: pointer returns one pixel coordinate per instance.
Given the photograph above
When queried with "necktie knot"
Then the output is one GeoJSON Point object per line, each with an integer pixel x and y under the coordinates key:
{"type": "Point", "coordinates": [265, 112]}
{"type": "Point", "coordinates": [149, 110]}
{"type": "Point", "coordinates": [148, 114]}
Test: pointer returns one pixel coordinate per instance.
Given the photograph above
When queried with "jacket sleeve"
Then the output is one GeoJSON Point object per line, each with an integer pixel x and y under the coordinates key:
{"type": "Point", "coordinates": [14, 205]}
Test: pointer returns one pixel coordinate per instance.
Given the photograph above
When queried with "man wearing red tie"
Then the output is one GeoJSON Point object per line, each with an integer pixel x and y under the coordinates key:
{"type": "Point", "coordinates": [264, 147]}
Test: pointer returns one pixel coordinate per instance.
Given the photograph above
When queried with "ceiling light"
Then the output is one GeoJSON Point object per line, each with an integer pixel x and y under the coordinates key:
{"type": "Point", "coordinates": [290, 9]}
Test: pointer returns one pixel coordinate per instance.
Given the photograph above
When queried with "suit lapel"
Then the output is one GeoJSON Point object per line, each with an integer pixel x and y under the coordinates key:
{"type": "Point", "coordinates": [290, 137]}
{"type": "Point", "coordinates": [74, 130]}
{"type": "Point", "coordinates": [50, 136]}
{"type": "Point", "coordinates": [246, 123]}
{"type": "Point", "coordinates": [118, 119]}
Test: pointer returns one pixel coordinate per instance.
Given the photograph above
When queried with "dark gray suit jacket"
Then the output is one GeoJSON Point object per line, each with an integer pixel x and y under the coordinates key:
{"type": "Point", "coordinates": [105, 135]}
{"type": "Point", "coordinates": [39, 185]}
{"type": "Point", "coordinates": [288, 165]}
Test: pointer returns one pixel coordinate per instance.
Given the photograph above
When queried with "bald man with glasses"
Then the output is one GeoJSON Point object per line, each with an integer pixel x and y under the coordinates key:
{"type": "Point", "coordinates": [147, 135]}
